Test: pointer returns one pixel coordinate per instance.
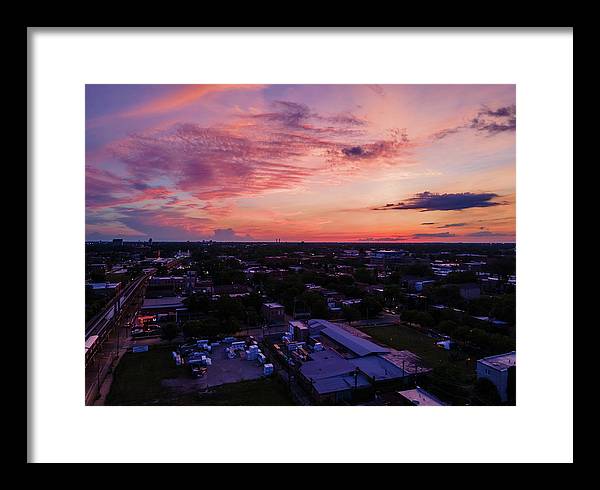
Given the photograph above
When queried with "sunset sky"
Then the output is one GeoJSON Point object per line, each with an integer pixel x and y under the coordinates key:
{"type": "Point", "coordinates": [389, 163]}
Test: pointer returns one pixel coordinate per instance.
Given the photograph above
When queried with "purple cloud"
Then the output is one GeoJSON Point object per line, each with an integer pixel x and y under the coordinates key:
{"type": "Point", "coordinates": [452, 225]}
{"type": "Point", "coordinates": [445, 234]}
{"type": "Point", "coordinates": [490, 121]}
{"type": "Point", "coordinates": [430, 201]}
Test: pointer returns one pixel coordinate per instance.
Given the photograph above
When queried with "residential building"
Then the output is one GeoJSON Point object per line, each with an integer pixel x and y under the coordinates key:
{"type": "Point", "coordinates": [388, 257]}
{"type": "Point", "coordinates": [498, 369]}
{"type": "Point", "coordinates": [469, 291]}
{"type": "Point", "coordinates": [273, 313]}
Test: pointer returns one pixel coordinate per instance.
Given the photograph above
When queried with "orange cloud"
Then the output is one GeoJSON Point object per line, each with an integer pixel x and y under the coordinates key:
{"type": "Point", "coordinates": [187, 95]}
{"type": "Point", "coordinates": [179, 99]}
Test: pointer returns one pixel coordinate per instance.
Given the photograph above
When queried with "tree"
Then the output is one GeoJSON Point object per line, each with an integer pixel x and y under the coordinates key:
{"type": "Point", "coordinates": [197, 302]}
{"type": "Point", "coordinates": [424, 319]}
{"type": "Point", "coordinates": [420, 270]}
{"type": "Point", "coordinates": [351, 313]}
{"type": "Point", "coordinates": [447, 326]}
{"type": "Point", "coordinates": [169, 331]}
{"type": "Point", "coordinates": [370, 307]}
{"type": "Point", "coordinates": [448, 295]}
{"type": "Point", "coordinates": [486, 392]}
{"type": "Point", "coordinates": [391, 294]}
{"type": "Point", "coordinates": [511, 386]}
{"type": "Point", "coordinates": [228, 309]}
{"type": "Point", "coordinates": [207, 327]}
{"type": "Point", "coordinates": [315, 303]}
{"type": "Point", "coordinates": [505, 308]}
{"type": "Point", "coordinates": [409, 316]}
{"type": "Point", "coordinates": [364, 275]}
{"type": "Point", "coordinates": [461, 277]}
{"type": "Point", "coordinates": [503, 266]}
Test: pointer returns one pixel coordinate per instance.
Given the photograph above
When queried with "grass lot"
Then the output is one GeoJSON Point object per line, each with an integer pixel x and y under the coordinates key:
{"type": "Point", "coordinates": [137, 378]}
{"type": "Point", "coordinates": [263, 392]}
{"type": "Point", "coordinates": [451, 380]}
{"type": "Point", "coordinates": [137, 381]}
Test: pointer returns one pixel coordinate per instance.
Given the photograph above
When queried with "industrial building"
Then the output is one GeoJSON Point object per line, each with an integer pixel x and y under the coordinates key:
{"type": "Point", "coordinates": [167, 305]}
{"type": "Point", "coordinates": [108, 289]}
{"type": "Point", "coordinates": [336, 364]}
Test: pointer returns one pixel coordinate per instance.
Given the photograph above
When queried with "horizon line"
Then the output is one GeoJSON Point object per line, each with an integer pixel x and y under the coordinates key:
{"type": "Point", "coordinates": [299, 242]}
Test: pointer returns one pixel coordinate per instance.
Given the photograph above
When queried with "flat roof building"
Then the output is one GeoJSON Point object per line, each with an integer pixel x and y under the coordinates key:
{"type": "Point", "coordinates": [273, 313]}
{"type": "Point", "coordinates": [331, 377]}
{"type": "Point", "coordinates": [469, 290]}
{"type": "Point", "coordinates": [357, 345]}
{"type": "Point", "coordinates": [420, 397]}
{"type": "Point", "coordinates": [104, 288]}
{"type": "Point", "coordinates": [497, 369]}
{"type": "Point", "coordinates": [162, 305]}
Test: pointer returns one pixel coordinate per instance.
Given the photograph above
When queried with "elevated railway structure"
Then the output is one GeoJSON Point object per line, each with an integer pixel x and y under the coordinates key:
{"type": "Point", "coordinates": [105, 330]}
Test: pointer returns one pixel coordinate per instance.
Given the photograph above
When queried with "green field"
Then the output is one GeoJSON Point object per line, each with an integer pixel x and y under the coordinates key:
{"type": "Point", "coordinates": [451, 379]}
{"type": "Point", "coordinates": [137, 378]}
{"type": "Point", "coordinates": [137, 381]}
{"type": "Point", "coordinates": [258, 392]}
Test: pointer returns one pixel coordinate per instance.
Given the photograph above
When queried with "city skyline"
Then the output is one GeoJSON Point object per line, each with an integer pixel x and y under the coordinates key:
{"type": "Point", "coordinates": [320, 163]}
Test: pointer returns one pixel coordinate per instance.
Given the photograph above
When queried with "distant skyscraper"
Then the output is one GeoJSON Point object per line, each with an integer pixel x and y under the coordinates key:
{"type": "Point", "coordinates": [117, 241]}
{"type": "Point", "coordinates": [149, 241]}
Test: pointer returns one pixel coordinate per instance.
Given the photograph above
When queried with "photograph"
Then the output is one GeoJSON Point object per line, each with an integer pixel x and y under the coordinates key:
{"type": "Point", "coordinates": [300, 245]}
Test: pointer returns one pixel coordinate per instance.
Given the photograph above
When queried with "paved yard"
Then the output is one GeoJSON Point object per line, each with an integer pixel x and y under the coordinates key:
{"type": "Point", "coordinates": [222, 371]}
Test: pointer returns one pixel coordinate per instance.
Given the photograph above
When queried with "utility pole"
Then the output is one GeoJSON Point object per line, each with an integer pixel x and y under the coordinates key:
{"type": "Point", "coordinates": [118, 327]}
{"type": "Point", "coordinates": [98, 378]}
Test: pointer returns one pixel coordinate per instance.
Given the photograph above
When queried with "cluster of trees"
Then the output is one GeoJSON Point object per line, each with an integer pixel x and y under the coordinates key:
{"type": "Point", "coordinates": [368, 308]}
{"type": "Point", "coordinates": [223, 316]}
{"type": "Point", "coordinates": [502, 307]}
{"type": "Point", "coordinates": [291, 292]}
{"type": "Point", "coordinates": [284, 291]}
{"type": "Point", "coordinates": [460, 277]}
{"type": "Point", "coordinates": [489, 340]}
{"type": "Point", "coordinates": [94, 303]}
{"type": "Point", "coordinates": [208, 327]}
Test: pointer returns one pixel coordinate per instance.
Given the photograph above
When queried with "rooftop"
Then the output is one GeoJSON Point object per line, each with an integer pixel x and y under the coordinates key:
{"type": "Point", "coordinates": [377, 368]}
{"type": "Point", "coordinates": [500, 362]}
{"type": "Point", "coordinates": [167, 302]}
{"type": "Point", "coordinates": [329, 372]}
{"type": "Point", "coordinates": [326, 364]}
{"type": "Point", "coordinates": [103, 285]}
{"type": "Point", "coordinates": [407, 361]}
{"type": "Point", "coordinates": [340, 383]}
{"type": "Point", "coordinates": [469, 285]}
{"type": "Point", "coordinates": [357, 345]}
{"type": "Point", "coordinates": [273, 305]}
{"type": "Point", "coordinates": [298, 324]}
{"type": "Point", "coordinates": [420, 397]}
